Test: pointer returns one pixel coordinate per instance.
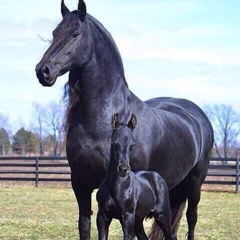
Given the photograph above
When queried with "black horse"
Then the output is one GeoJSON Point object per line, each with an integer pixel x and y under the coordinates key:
{"type": "Point", "coordinates": [128, 196]}
{"type": "Point", "coordinates": [174, 136]}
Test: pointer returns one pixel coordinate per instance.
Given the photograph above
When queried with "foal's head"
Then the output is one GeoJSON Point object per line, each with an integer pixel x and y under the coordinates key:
{"type": "Point", "coordinates": [122, 144]}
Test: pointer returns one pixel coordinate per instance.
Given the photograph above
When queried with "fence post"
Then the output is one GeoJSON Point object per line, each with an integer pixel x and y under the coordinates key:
{"type": "Point", "coordinates": [237, 175]}
{"type": "Point", "coordinates": [37, 173]}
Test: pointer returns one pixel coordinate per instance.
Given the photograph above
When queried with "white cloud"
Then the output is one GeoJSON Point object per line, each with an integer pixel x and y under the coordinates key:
{"type": "Point", "coordinates": [160, 45]}
{"type": "Point", "coordinates": [165, 45]}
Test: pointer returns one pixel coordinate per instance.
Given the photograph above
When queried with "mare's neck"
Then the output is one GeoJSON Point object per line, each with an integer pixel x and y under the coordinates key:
{"type": "Point", "coordinates": [100, 83]}
{"type": "Point", "coordinates": [104, 73]}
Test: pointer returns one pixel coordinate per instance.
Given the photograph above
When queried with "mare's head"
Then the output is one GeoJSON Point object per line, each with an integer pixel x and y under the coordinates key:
{"type": "Point", "coordinates": [69, 47]}
{"type": "Point", "coordinates": [122, 143]}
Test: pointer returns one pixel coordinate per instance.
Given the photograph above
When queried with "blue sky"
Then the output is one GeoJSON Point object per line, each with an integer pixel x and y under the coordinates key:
{"type": "Point", "coordinates": [179, 48]}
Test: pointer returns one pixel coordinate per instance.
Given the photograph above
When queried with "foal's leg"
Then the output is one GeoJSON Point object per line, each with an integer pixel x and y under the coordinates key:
{"type": "Point", "coordinates": [162, 212]}
{"type": "Point", "coordinates": [139, 230]}
{"type": "Point", "coordinates": [84, 204]}
{"type": "Point", "coordinates": [103, 225]}
{"type": "Point", "coordinates": [127, 221]}
{"type": "Point", "coordinates": [164, 222]}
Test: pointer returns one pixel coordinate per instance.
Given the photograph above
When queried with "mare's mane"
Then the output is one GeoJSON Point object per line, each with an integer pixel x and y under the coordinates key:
{"type": "Point", "coordinates": [72, 90]}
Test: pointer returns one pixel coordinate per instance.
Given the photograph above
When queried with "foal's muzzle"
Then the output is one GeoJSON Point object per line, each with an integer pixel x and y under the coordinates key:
{"type": "Point", "coordinates": [123, 170]}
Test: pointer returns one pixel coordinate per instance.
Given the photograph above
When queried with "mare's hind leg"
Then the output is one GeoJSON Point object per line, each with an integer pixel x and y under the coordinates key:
{"type": "Point", "coordinates": [83, 197]}
{"type": "Point", "coordinates": [194, 183]}
{"type": "Point", "coordinates": [193, 200]}
{"type": "Point", "coordinates": [139, 230]}
{"type": "Point", "coordinates": [178, 198]}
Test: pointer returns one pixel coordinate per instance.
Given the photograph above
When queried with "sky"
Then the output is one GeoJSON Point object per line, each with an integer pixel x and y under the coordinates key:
{"type": "Point", "coordinates": [179, 48]}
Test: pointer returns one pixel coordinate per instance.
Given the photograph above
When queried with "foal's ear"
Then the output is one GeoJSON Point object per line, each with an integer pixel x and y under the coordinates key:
{"type": "Point", "coordinates": [64, 9]}
{"type": "Point", "coordinates": [115, 122]}
{"type": "Point", "coordinates": [82, 9]}
{"type": "Point", "coordinates": [133, 122]}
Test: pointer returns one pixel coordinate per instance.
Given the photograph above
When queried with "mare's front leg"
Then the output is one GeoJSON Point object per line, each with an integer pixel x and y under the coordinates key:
{"type": "Point", "coordinates": [103, 223]}
{"type": "Point", "coordinates": [128, 221]}
{"type": "Point", "coordinates": [83, 197]}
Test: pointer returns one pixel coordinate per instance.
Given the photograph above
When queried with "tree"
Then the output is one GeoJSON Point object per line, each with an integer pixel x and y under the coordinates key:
{"type": "Point", "coordinates": [24, 142]}
{"type": "Point", "coordinates": [54, 126]}
{"type": "Point", "coordinates": [31, 143]}
{"type": "Point", "coordinates": [39, 115]}
{"type": "Point", "coordinates": [4, 142]}
{"type": "Point", "coordinates": [226, 125]}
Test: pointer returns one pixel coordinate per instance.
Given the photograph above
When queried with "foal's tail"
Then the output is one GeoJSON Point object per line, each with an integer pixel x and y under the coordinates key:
{"type": "Point", "coordinates": [178, 198]}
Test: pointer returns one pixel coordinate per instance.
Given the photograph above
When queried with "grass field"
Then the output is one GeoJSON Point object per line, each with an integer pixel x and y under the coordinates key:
{"type": "Point", "coordinates": [51, 213]}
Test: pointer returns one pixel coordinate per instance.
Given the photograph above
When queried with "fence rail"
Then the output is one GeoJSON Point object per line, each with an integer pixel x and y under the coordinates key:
{"type": "Point", "coordinates": [224, 171]}
{"type": "Point", "coordinates": [56, 169]}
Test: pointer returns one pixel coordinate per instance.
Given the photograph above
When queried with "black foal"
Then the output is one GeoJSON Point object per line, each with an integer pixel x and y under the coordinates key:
{"type": "Point", "coordinates": [128, 196]}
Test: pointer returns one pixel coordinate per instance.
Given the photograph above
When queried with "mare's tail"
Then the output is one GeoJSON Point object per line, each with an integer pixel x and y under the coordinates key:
{"type": "Point", "coordinates": [178, 198]}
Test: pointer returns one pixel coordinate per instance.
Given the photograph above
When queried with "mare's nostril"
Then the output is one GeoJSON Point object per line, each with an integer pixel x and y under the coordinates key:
{"type": "Point", "coordinates": [45, 70]}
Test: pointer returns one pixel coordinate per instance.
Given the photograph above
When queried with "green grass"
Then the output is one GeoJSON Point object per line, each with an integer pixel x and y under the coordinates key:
{"type": "Point", "coordinates": [51, 213]}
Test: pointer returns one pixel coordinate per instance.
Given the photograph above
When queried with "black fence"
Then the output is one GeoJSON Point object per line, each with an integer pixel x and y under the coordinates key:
{"type": "Point", "coordinates": [35, 169]}
{"type": "Point", "coordinates": [224, 171]}
{"type": "Point", "coordinates": [56, 169]}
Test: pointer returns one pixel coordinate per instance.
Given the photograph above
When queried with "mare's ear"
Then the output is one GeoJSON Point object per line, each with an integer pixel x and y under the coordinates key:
{"type": "Point", "coordinates": [64, 9]}
{"type": "Point", "coordinates": [133, 122]}
{"type": "Point", "coordinates": [115, 122]}
{"type": "Point", "coordinates": [82, 9]}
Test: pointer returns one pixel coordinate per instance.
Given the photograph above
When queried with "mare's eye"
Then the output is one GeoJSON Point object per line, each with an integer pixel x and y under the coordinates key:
{"type": "Point", "coordinates": [76, 34]}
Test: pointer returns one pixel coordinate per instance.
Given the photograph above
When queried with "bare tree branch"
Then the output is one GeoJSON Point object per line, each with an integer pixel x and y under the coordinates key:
{"type": "Point", "coordinates": [226, 125]}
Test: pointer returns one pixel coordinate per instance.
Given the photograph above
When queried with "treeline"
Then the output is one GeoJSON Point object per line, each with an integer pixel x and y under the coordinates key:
{"type": "Point", "coordinates": [226, 124]}
{"type": "Point", "coordinates": [46, 136]}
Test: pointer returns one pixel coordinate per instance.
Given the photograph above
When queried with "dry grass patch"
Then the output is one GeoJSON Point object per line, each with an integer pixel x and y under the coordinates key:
{"type": "Point", "coordinates": [43, 213]}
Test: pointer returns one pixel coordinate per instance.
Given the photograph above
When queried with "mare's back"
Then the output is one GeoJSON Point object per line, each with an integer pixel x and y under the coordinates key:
{"type": "Point", "coordinates": [188, 112]}
{"type": "Point", "coordinates": [177, 106]}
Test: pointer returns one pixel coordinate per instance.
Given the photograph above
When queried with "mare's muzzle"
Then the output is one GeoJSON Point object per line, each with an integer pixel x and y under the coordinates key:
{"type": "Point", "coordinates": [45, 75]}
{"type": "Point", "coordinates": [123, 170]}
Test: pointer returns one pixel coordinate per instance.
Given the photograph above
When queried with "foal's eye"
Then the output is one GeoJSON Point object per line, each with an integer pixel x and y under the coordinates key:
{"type": "Point", "coordinates": [132, 146]}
